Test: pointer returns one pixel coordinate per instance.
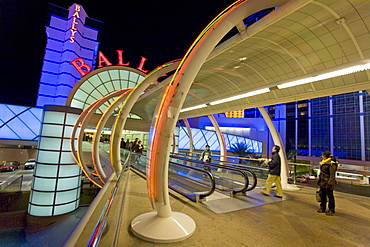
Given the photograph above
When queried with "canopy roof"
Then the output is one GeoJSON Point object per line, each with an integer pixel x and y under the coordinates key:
{"type": "Point", "coordinates": [300, 39]}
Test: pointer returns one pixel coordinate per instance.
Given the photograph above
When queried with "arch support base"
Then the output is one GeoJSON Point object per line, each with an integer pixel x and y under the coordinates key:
{"type": "Point", "coordinates": [290, 187]}
{"type": "Point", "coordinates": [153, 228]}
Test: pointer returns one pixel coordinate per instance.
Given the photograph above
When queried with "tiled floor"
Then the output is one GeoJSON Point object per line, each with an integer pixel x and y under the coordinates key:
{"type": "Point", "coordinates": [257, 220]}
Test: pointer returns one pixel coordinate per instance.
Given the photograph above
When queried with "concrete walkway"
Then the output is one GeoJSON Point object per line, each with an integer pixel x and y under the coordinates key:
{"type": "Point", "coordinates": [292, 221]}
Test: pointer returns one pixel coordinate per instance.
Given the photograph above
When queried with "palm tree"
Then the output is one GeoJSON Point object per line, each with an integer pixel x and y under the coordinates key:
{"type": "Point", "coordinates": [241, 149]}
{"type": "Point", "coordinates": [293, 154]}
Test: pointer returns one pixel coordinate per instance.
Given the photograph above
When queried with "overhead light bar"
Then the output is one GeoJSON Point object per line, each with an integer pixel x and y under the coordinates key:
{"type": "Point", "coordinates": [241, 96]}
{"type": "Point", "coordinates": [193, 108]}
{"type": "Point", "coordinates": [328, 75]}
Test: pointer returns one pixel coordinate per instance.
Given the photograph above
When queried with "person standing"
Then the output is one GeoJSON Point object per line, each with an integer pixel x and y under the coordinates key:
{"type": "Point", "coordinates": [274, 174]}
{"type": "Point", "coordinates": [206, 157]}
{"type": "Point", "coordinates": [127, 144]}
{"type": "Point", "coordinates": [328, 168]}
{"type": "Point", "coordinates": [139, 147]}
{"type": "Point", "coordinates": [123, 143]}
{"type": "Point", "coordinates": [133, 146]}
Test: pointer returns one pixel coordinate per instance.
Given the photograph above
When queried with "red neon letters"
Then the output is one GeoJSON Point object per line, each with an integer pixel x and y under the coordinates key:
{"type": "Point", "coordinates": [84, 69]}
{"type": "Point", "coordinates": [74, 23]}
{"type": "Point", "coordinates": [81, 67]}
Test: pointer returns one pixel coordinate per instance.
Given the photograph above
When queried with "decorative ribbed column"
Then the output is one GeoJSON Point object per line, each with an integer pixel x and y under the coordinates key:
{"type": "Point", "coordinates": [57, 178]}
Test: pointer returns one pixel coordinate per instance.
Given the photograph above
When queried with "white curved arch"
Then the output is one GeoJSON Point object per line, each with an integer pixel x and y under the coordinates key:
{"type": "Point", "coordinates": [99, 128]}
{"type": "Point", "coordinates": [175, 95]}
{"type": "Point", "coordinates": [169, 107]}
{"type": "Point", "coordinates": [220, 137]}
{"type": "Point", "coordinates": [127, 106]}
{"type": "Point", "coordinates": [83, 119]}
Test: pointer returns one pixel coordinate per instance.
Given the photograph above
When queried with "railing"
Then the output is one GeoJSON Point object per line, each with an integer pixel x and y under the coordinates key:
{"type": "Point", "coordinates": [100, 225]}
{"type": "Point", "coordinates": [180, 176]}
{"type": "Point", "coordinates": [249, 170]}
{"type": "Point", "coordinates": [224, 173]}
{"type": "Point", "coordinates": [10, 190]}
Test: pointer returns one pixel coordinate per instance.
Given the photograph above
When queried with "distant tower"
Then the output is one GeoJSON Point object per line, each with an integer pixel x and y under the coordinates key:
{"type": "Point", "coordinates": [70, 35]}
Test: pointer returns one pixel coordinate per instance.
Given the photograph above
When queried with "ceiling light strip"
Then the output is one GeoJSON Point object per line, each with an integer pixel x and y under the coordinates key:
{"type": "Point", "coordinates": [193, 108]}
{"type": "Point", "coordinates": [241, 96]}
{"type": "Point", "coordinates": [325, 76]}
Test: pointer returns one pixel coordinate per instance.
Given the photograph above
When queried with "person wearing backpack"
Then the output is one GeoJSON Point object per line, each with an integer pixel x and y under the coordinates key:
{"type": "Point", "coordinates": [328, 168]}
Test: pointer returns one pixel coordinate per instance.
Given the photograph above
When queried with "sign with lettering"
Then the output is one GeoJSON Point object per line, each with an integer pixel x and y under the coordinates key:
{"type": "Point", "coordinates": [84, 68]}
{"type": "Point", "coordinates": [74, 23]}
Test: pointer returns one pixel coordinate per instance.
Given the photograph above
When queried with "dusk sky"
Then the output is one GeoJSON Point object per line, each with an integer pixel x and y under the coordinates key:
{"type": "Point", "coordinates": [160, 31]}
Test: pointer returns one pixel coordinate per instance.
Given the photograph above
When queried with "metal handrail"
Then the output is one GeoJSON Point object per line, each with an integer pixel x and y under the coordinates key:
{"type": "Point", "coordinates": [244, 175]}
{"type": "Point", "coordinates": [201, 195]}
{"type": "Point", "coordinates": [100, 225]}
{"type": "Point", "coordinates": [227, 165]}
{"type": "Point", "coordinates": [242, 167]}
{"type": "Point", "coordinates": [212, 178]}
{"type": "Point", "coordinates": [226, 156]}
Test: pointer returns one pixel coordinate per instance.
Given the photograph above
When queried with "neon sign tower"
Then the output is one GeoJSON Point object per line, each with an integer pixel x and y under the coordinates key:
{"type": "Point", "coordinates": [70, 35]}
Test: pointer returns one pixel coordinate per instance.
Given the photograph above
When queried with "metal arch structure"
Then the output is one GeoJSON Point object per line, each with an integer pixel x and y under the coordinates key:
{"type": "Point", "coordinates": [300, 39]}
{"type": "Point", "coordinates": [90, 106]}
{"type": "Point", "coordinates": [164, 121]}
{"type": "Point", "coordinates": [122, 97]}
{"type": "Point", "coordinates": [81, 124]}
{"type": "Point", "coordinates": [73, 97]}
{"type": "Point", "coordinates": [127, 105]}
{"type": "Point", "coordinates": [99, 128]}
{"type": "Point", "coordinates": [220, 137]}
{"type": "Point", "coordinates": [191, 143]}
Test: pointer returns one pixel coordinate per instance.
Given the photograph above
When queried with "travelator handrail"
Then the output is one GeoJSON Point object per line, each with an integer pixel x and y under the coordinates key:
{"type": "Point", "coordinates": [198, 153]}
{"type": "Point", "coordinates": [225, 165]}
{"type": "Point", "coordinates": [234, 191]}
{"type": "Point", "coordinates": [192, 196]}
{"type": "Point", "coordinates": [242, 172]}
{"type": "Point", "coordinates": [102, 221]}
{"type": "Point", "coordinates": [252, 173]}
{"type": "Point", "coordinates": [210, 175]}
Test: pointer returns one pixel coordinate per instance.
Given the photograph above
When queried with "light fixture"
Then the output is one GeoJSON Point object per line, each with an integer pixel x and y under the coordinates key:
{"type": "Point", "coordinates": [336, 73]}
{"type": "Point", "coordinates": [236, 67]}
{"type": "Point", "coordinates": [242, 59]}
{"type": "Point", "coordinates": [193, 108]}
{"type": "Point", "coordinates": [241, 96]}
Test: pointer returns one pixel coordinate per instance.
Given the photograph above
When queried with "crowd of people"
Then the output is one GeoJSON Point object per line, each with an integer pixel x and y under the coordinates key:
{"type": "Point", "coordinates": [135, 146]}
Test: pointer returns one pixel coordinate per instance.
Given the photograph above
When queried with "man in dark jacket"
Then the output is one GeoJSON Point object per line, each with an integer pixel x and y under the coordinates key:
{"type": "Point", "coordinates": [274, 174]}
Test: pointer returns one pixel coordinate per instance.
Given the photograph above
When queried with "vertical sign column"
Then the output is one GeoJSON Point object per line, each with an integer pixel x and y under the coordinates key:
{"type": "Point", "coordinates": [57, 178]}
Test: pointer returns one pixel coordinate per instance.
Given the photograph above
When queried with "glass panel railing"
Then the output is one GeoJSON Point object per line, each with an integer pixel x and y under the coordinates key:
{"type": "Point", "coordinates": [191, 182]}
{"type": "Point", "coordinates": [227, 178]}
{"type": "Point", "coordinates": [249, 170]}
{"type": "Point", "coordinates": [101, 224]}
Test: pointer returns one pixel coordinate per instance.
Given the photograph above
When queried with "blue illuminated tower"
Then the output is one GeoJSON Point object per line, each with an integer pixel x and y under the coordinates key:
{"type": "Point", "coordinates": [70, 35]}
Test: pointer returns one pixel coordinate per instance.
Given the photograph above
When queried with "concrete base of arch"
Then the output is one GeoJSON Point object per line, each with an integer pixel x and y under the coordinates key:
{"type": "Point", "coordinates": [290, 187]}
{"type": "Point", "coordinates": [153, 228]}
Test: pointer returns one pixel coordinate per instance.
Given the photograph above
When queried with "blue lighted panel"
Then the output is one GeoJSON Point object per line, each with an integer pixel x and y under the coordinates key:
{"type": "Point", "coordinates": [58, 76]}
{"type": "Point", "coordinates": [20, 122]}
{"type": "Point", "coordinates": [202, 137]}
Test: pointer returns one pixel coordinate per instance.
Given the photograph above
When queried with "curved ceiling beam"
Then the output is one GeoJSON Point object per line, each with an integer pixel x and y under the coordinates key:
{"type": "Point", "coordinates": [169, 107]}
{"type": "Point", "coordinates": [77, 151]}
{"type": "Point", "coordinates": [127, 105]}
{"type": "Point", "coordinates": [99, 128]}
{"type": "Point", "coordinates": [95, 72]}
{"type": "Point", "coordinates": [80, 125]}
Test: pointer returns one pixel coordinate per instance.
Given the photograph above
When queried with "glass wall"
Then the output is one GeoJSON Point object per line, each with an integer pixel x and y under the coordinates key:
{"type": "Point", "coordinates": [366, 99]}
{"type": "Point", "coordinates": [290, 126]}
{"type": "Point", "coordinates": [320, 126]}
{"type": "Point", "coordinates": [346, 126]}
{"type": "Point", "coordinates": [202, 137]}
{"type": "Point", "coordinates": [302, 108]}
